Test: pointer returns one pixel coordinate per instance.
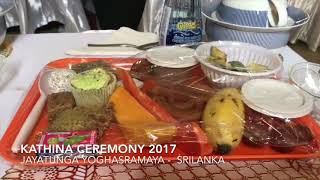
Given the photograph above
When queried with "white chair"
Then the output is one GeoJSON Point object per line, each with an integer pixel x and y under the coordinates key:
{"type": "Point", "coordinates": [32, 14]}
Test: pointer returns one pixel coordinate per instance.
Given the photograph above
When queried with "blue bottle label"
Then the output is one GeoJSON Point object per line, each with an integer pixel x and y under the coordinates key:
{"type": "Point", "coordinates": [183, 30]}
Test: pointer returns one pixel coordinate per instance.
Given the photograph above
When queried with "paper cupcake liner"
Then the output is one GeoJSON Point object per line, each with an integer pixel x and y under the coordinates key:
{"type": "Point", "coordinates": [94, 97]}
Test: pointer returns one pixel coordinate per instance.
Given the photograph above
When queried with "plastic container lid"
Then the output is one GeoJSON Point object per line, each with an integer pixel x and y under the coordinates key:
{"type": "Point", "coordinates": [172, 57]}
{"type": "Point", "coordinates": [276, 98]}
{"type": "Point", "coordinates": [307, 77]}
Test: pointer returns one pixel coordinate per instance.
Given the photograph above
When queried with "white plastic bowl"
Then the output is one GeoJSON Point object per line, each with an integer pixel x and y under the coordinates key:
{"type": "Point", "coordinates": [237, 51]}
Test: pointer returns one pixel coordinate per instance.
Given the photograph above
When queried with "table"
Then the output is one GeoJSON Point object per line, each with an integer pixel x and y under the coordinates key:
{"type": "Point", "coordinates": [33, 51]}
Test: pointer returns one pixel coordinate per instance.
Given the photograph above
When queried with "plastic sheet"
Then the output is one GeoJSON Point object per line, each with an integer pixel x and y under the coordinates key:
{"type": "Point", "coordinates": [185, 92]}
{"type": "Point", "coordinates": [189, 108]}
{"type": "Point", "coordinates": [282, 135]}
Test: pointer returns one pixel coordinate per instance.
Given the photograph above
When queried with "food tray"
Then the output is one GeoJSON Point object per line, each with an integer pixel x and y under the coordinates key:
{"type": "Point", "coordinates": [113, 135]}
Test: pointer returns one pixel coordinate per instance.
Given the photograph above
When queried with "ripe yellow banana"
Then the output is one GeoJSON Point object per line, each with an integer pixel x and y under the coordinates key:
{"type": "Point", "coordinates": [223, 120]}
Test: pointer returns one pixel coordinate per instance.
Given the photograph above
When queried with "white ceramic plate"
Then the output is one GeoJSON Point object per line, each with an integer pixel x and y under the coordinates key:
{"type": "Point", "coordinates": [276, 98]}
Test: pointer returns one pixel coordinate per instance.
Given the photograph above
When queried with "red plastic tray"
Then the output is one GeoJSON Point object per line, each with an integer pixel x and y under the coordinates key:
{"type": "Point", "coordinates": [113, 135]}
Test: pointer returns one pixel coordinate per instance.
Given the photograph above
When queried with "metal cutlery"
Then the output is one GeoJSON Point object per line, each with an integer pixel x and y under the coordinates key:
{"type": "Point", "coordinates": [141, 47]}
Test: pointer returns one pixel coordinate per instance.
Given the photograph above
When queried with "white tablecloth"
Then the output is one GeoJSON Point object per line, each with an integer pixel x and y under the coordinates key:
{"type": "Point", "coordinates": [33, 51]}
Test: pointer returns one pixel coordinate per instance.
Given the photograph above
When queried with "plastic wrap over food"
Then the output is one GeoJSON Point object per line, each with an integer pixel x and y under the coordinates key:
{"type": "Point", "coordinates": [223, 114]}
{"type": "Point", "coordinates": [150, 100]}
{"type": "Point", "coordinates": [179, 91]}
{"type": "Point", "coordinates": [259, 112]}
{"type": "Point", "coordinates": [280, 134]}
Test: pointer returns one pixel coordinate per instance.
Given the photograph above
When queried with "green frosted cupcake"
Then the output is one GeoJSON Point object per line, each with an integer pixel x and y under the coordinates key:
{"type": "Point", "coordinates": [93, 88]}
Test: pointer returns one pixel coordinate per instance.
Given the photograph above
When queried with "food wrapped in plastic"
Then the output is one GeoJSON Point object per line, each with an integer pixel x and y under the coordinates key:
{"type": "Point", "coordinates": [280, 134]}
{"type": "Point", "coordinates": [259, 119]}
{"type": "Point", "coordinates": [142, 121]}
{"type": "Point", "coordinates": [297, 132]}
{"type": "Point", "coordinates": [226, 118]}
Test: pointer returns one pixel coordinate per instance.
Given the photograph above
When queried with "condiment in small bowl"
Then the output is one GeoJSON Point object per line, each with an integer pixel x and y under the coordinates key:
{"type": "Point", "coordinates": [242, 52]}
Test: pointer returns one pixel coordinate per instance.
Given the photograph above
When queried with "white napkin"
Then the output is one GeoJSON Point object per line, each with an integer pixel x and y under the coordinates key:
{"type": "Point", "coordinates": [122, 36]}
{"type": "Point", "coordinates": [126, 35]}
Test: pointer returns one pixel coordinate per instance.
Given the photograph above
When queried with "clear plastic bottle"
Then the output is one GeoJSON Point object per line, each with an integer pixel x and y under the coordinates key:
{"type": "Point", "coordinates": [181, 22]}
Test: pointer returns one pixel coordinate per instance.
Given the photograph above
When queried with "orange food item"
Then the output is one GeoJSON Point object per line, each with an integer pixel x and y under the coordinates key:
{"type": "Point", "coordinates": [155, 109]}
{"type": "Point", "coordinates": [138, 125]}
{"type": "Point", "coordinates": [150, 133]}
{"type": "Point", "coordinates": [128, 110]}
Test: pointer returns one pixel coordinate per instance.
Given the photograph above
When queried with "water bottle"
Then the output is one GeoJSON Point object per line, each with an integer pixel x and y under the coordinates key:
{"type": "Point", "coordinates": [181, 22]}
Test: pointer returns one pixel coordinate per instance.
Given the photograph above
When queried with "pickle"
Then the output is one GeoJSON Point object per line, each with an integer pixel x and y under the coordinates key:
{"type": "Point", "coordinates": [237, 66]}
{"type": "Point", "coordinates": [257, 68]}
{"type": "Point", "coordinates": [217, 53]}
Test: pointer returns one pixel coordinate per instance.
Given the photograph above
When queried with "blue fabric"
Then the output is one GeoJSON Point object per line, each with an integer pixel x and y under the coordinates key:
{"type": "Point", "coordinates": [243, 17]}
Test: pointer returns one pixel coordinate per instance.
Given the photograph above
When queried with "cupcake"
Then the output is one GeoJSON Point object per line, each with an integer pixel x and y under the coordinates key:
{"type": "Point", "coordinates": [92, 88]}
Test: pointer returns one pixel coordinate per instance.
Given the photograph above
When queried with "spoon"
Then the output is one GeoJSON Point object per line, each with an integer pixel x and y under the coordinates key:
{"type": "Point", "coordinates": [51, 81]}
{"type": "Point", "coordinates": [141, 47]}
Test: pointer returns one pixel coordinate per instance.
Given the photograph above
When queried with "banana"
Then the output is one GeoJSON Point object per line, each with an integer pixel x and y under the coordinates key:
{"type": "Point", "coordinates": [223, 120]}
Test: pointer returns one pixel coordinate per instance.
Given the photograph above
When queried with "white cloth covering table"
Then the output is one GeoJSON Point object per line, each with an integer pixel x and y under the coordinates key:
{"type": "Point", "coordinates": [31, 52]}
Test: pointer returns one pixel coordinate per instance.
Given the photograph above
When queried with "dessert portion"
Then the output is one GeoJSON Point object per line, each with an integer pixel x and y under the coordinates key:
{"type": "Point", "coordinates": [183, 92]}
{"type": "Point", "coordinates": [150, 133]}
{"type": "Point", "coordinates": [58, 102]}
{"type": "Point", "coordinates": [145, 70]}
{"type": "Point", "coordinates": [92, 88]}
{"type": "Point", "coordinates": [80, 118]}
{"type": "Point", "coordinates": [184, 103]}
{"type": "Point", "coordinates": [262, 129]}
{"type": "Point", "coordinates": [86, 108]}
{"type": "Point", "coordinates": [192, 77]}
{"type": "Point", "coordinates": [81, 67]}
{"type": "Point", "coordinates": [59, 80]}
{"type": "Point", "coordinates": [137, 124]}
